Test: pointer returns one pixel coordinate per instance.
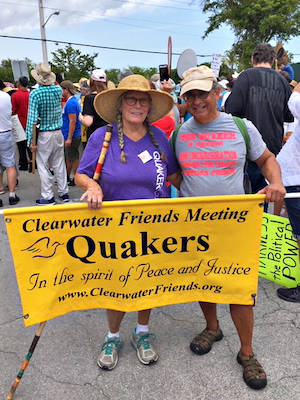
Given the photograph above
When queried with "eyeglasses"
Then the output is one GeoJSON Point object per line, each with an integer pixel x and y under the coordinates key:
{"type": "Point", "coordinates": [190, 97]}
{"type": "Point", "coordinates": [131, 101]}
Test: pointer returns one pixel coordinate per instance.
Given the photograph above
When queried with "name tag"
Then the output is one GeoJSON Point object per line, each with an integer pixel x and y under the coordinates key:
{"type": "Point", "coordinates": [145, 156]}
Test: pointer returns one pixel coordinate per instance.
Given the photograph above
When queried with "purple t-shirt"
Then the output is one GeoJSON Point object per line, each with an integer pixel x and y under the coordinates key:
{"type": "Point", "coordinates": [143, 176]}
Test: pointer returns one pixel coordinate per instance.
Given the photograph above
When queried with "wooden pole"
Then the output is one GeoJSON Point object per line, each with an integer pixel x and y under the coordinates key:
{"type": "Point", "coordinates": [26, 361]}
{"type": "Point", "coordinates": [34, 144]}
{"type": "Point", "coordinates": [103, 152]}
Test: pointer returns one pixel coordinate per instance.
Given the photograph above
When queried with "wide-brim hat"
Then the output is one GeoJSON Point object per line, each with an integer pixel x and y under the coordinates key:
{"type": "Point", "coordinates": [8, 89]}
{"type": "Point", "coordinates": [293, 83]}
{"type": "Point", "coordinates": [43, 75]}
{"type": "Point", "coordinates": [105, 101]}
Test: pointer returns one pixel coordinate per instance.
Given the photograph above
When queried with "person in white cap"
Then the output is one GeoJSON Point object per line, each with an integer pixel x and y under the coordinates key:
{"type": "Point", "coordinates": [89, 117]}
{"type": "Point", "coordinates": [200, 91]}
{"type": "Point", "coordinates": [45, 104]}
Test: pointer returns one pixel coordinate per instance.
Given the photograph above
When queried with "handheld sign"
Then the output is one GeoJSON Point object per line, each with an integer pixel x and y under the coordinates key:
{"type": "Point", "coordinates": [187, 60]}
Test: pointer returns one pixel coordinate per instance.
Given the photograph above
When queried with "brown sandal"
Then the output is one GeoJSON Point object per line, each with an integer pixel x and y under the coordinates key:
{"type": "Point", "coordinates": [202, 343]}
{"type": "Point", "coordinates": [254, 374]}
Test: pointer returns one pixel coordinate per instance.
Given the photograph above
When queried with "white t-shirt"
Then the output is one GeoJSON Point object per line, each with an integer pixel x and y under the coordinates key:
{"type": "Point", "coordinates": [289, 156]}
{"type": "Point", "coordinates": [225, 97]}
{"type": "Point", "coordinates": [5, 112]}
{"type": "Point", "coordinates": [212, 156]}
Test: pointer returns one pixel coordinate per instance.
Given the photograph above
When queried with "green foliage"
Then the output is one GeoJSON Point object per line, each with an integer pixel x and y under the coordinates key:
{"type": "Point", "coordinates": [6, 72]}
{"type": "Point", "coordinates": [112, 75]}
{"type": "Point", "coordinates": [72, 63]}
{"type": "Point", "coordinates": [146, 72]}
{"type": "Point", "coordinates": [253, 22]}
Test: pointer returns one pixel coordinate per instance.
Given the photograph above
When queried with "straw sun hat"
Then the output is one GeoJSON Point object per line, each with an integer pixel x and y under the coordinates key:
{"type": "Point", "coordinates": [105, 102]}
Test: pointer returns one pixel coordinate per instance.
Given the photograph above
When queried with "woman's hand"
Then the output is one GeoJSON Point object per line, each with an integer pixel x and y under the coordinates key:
{"type": "Point", "coordinates": [93, 192]}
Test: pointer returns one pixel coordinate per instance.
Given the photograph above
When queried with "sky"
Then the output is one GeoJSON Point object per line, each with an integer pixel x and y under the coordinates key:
{"type": "Point", "coordinates": [139, 25]}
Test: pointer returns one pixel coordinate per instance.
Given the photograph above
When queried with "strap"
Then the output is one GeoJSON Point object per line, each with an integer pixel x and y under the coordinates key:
{"type": "Point", "coordinates": [240, 123]}
{"type": "Point", "coordinates": [174, 137]}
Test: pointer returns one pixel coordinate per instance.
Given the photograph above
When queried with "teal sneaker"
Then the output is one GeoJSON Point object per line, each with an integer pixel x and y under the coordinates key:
{"type": "Point", "coordinates": [143, 344]}
{"type": "Point", "coordinates": [108, 358]}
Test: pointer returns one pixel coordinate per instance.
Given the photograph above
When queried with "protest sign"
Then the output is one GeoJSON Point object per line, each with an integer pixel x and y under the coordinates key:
{"type": "Point", "coordinates": [134, 255]}
{"type": "Point", "coordinates": [279, 254]}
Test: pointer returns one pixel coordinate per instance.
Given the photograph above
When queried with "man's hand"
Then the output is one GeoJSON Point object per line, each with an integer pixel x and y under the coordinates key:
{"type": "Point", "coordinates": [33, 148]}
{"type": "Point", "coordinates": [68, 142]}
{"type": "Point", "coordinates": [274, 192]}
{"type": "Point", "coordinates": [270, 169]}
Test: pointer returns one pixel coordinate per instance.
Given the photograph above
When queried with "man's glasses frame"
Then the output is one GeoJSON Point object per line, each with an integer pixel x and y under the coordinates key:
{"type": "Point", "coordinates": [201, 94]}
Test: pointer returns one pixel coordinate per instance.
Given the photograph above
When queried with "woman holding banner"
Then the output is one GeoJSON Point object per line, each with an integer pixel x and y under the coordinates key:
{"type": "Point", "coordinates": [137, 165]}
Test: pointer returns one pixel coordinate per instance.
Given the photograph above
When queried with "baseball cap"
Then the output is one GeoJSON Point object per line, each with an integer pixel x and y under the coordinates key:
{"type": "Point", "coordinates": [99, 75]}
{"type": "Point", "coordinates": [223, 83]}
{"type": "Point", "coordinates": [69, 85]}
{"type": "Point", "coordinates": [199, 78]}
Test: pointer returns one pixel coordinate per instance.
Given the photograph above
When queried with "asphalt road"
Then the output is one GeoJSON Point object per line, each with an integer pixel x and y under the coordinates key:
{"type": "Point", "coordinates": [64, 365]}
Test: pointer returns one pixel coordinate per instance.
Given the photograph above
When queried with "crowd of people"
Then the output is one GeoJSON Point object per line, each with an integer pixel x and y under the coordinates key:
{"type": "Point", "coordinates": [148, 119]}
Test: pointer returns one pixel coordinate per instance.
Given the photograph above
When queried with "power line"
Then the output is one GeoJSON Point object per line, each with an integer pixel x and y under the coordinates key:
{"type": "Point", "coordinates": [155, 5]}
{"type": "Point", "coordinates": [124, 18]}
{"type": "Point", "coordinates": [120, 1]}
{"type": "Point", "coordinates": [97, 46]}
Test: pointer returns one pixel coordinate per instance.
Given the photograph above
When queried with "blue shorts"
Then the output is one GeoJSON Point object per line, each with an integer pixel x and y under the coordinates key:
{"type": "Point", "coordinates": [7, 155]}
{"type": "Point", "coordinates": [293, 209]}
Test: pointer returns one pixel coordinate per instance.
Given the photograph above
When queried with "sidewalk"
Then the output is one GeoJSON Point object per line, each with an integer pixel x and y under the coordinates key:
{"type": "Point", "coordinates": [64, 365]}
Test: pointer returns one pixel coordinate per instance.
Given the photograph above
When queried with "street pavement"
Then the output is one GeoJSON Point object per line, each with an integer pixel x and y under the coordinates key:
{"type": "Point", "coordinates": [64, 365]}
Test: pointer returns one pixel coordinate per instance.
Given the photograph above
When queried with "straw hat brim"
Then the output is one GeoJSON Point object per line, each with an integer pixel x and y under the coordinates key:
{"type": "Point", "coordinates": [105, 103]}
{"type": "Point", "coordinates": [39, 81]}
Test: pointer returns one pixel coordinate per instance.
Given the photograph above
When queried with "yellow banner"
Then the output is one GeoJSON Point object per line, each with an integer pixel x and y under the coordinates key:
{"type": "Point", "coordinates": [134, 255]}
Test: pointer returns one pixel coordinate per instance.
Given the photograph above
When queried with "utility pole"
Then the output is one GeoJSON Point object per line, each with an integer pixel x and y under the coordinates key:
{"type": "Point", "coordinates": [43, 31]}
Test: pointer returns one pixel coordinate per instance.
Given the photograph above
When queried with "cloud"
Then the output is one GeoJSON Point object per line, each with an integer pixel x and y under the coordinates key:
{"type": "Point", "coordinates": [23, 16]}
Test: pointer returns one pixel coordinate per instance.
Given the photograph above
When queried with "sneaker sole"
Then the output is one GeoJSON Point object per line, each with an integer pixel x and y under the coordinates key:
{"type": "Point", "coordinates": [50, 204]}
{"type": "Point", "coordinates": [287, 298]}
{"type": "Point", "coordinates": [150, 362]}
{"type": "Point", "coordinates": [105, 367]}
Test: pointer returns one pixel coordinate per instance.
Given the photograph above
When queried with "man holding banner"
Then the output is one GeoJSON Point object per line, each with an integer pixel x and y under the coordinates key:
{"type": "Point", "coordinates": [211, 151]}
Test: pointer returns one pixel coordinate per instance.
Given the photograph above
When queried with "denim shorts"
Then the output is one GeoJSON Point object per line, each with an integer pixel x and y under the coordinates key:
{"type": "Point", "coordinates": [7, 155]}
{"type": "Point", "coordinates": [293, 209]}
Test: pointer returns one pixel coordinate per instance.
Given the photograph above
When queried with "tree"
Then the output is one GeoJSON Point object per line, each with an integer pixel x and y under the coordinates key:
{"type": "Point", "coordinates": [253, 21]}
{"type": "Point", "coordinates": [6, 72]}
{"type": "Point", "coordinates": [112, 75]}
{"type": "Point", "coordinates": [72, 63]}
{"type": "Point", "coordinates": [231, 60]}
{"type": "Point", "coordinates": [146, 72]}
